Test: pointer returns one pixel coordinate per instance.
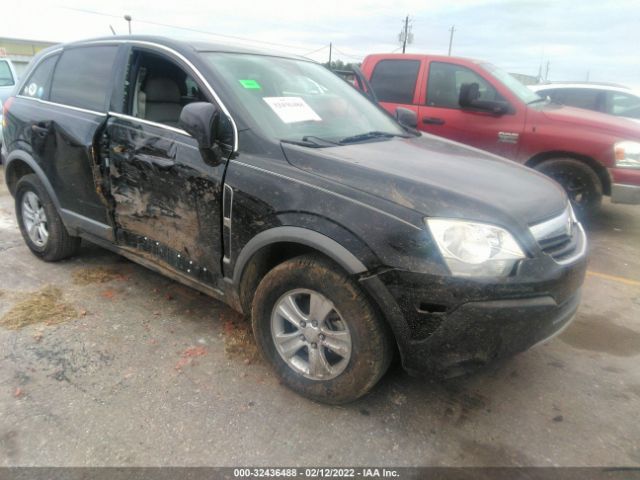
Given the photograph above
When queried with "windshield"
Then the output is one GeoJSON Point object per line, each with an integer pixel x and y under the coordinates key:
{"type": "Point", "coordinates": [515, 86]}
{"type": "Point", "coordinates": [297, 100]}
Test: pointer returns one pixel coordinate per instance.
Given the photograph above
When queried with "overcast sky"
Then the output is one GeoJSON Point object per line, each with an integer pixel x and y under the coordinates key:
{"type": "Point", "coordinates": [579, 38]}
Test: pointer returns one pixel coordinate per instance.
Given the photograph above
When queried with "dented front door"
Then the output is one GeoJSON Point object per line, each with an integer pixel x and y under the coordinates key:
{"type": "Point", "coordinates": [166, 199]}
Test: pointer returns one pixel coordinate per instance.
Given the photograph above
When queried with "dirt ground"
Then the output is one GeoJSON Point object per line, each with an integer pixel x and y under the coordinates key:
{"type": "Point", "coordinates": [103, 362]}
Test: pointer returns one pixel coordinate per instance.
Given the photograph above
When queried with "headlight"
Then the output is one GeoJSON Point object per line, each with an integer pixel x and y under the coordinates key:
{"type": "Point", "coordinates": [627, 154]}
{"type": "Point", "coordinates": [475, 249]}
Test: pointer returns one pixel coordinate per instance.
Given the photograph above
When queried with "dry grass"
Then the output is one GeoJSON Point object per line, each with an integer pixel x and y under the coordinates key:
{"type": "Point", "coordinates": [44, 306]}
{"type": "Point", "coordinates": [100, 274]}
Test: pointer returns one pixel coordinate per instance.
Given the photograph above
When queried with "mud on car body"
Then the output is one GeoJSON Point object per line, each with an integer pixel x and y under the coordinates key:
{"type": "Point", "coordinates": [267, 182]}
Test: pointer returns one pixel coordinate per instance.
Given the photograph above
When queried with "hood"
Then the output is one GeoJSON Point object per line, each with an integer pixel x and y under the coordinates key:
{"type": "Point", "coordinates": [618, 126]}
{"type": "Point", "coordinates": [437, 177]}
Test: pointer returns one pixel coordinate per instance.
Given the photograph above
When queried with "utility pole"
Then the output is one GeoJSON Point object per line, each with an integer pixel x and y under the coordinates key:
{"type": "Point", "coordinates": [452, 29]}
{"type": "Point", "coordinates": [405, 35]}
{"type": "Point", "coordinates": [588, 72]}
{"type": "Point", "coordinates": [330, 48]}
{"type": "Point", "coordinates": [546, 72]}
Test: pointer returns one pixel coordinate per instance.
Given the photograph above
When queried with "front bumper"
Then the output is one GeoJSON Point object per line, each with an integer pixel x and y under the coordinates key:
{"type": "Point", "coordinates": [625, 186]}
{"type": "Point", "coordinates": [448, 326]}
{"type": "Point", "coordinates": [629, 194]}
{"type": "Point", "coordinates": [479, 333]}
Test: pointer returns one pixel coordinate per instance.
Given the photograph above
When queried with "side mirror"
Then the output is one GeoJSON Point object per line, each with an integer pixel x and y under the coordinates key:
{"type": "Point", "coordinates": [469, 98]}
{"type": "Point", "coordinates": [199, 120]}
{"type": "Point", "coordinates": [469, 93]}
{"type": "Point", "coordinates": [406, 117]}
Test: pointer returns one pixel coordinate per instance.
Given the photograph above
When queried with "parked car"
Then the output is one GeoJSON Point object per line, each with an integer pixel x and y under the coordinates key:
{"type": "Point", "coordinates": [614, 100]}
{"type": "Point", "coordinates": [7, 83]}
{"type": "Point", "coordinates": [8, 78]}
{"type": "Point", "coordinates": [473, 102]}
{"type": "Point", "coordinates": [269, 183]}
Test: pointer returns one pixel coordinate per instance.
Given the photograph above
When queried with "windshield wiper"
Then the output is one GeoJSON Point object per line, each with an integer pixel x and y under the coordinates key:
{"type": "Point", "coordinates": [363, 137]}
{"type": "Point", "coordinates": [318, 140]}
{"type": "Point", "coordinates": [311, 142]}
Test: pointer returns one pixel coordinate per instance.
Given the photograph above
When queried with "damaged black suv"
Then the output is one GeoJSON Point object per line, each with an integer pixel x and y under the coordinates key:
{"type": "Point", "coordinates": [269, 183]}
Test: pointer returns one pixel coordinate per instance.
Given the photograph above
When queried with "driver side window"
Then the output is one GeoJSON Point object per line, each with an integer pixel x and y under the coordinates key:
{"type": "Point", "coordinates": [158, 89]}
{"type": "Point", "coordinates": [446, 79]}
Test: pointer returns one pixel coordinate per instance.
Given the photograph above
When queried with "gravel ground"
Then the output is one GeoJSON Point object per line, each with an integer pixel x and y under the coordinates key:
{"type": "Point", "coordinates": [129, 368]}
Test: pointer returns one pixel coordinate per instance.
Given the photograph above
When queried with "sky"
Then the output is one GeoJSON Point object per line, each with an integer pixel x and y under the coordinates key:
{"type": "Point", "coordinates": [592, 39]}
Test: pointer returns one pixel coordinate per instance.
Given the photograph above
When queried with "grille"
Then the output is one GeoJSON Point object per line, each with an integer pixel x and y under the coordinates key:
{"type": "Point", "coordinates": [561, 237]}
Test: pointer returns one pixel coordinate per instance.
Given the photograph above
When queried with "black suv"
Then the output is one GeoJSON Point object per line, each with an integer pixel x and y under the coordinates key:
{"type": "Point", "coordinates": [267, 182]}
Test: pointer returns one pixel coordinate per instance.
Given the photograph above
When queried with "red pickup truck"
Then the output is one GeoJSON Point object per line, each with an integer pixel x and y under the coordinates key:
{"type": "Point", "coordinates": [590, 154]}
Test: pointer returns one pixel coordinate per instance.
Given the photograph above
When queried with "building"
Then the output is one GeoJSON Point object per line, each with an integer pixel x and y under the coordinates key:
{"type": "Point", "coordinates": [20, 51]}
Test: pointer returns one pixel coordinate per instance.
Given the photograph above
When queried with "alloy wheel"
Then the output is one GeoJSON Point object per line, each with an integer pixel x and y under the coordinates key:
{"type": "Point", "coordinates": [310, 335]}
{"type": "Point", "coordinates": [34, 219]}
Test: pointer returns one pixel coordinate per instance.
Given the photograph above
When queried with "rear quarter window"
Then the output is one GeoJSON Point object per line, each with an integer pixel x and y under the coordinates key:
{"type": "Point", "coordinates": [38, 83]}
{"type": "Point", "coordinates": [394, 80]}
{"type": "Point", "coordinates": [82, 77]}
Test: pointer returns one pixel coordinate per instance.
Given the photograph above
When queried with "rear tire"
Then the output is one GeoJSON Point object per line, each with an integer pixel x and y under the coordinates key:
{"type": "Point", "coordinates": [40, 225]}
{"type": "Point", "coordinates": [347, 351]}
{"type": "Point", "coordinates": [579, 180]}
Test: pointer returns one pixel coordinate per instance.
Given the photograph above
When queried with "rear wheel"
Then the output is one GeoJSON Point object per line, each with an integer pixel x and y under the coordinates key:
{"type": "Point", "coordinates": [40, 225]}
{"type": "Point", "coordinates": [319, 331]}
{"type": "Point", "coordinates": [579, 180]}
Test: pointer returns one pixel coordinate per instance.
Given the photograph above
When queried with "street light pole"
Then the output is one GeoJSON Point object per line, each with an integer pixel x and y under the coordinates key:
{"type": "Point", "coordinates": [128, 19]}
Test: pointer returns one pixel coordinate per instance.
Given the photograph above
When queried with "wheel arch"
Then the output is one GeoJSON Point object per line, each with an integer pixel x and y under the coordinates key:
{"type": "Point", "coordinates": [600, 170]}
{"type": "Point", "coordinates": [276, 245]}
{"type": "Point", "coordinates": [20, 164]}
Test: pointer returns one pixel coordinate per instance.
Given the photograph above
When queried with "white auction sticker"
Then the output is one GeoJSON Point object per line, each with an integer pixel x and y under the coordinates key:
{"type": "Point", "coordinates": [292, 109]}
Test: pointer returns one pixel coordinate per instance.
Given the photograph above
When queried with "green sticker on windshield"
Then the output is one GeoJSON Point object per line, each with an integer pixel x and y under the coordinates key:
{"type": "Point", "coordinates": [250, 84]}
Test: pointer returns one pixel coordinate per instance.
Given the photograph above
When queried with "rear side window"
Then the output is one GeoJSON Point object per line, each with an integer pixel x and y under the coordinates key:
{"type": "Point", "coordinates": [40, 79]}
{"type": "Point", "coordinates": [587, 98]}
{"type": "Point", "coordinates": [624, 105]}
{"type": "Point", "coordinates": [6, 77]}
{"type": "Point", "coordinates": [83, 76]}
{"type": "Point", "coordinates": [394, 81]}
{"type": "Point", "coordinates": [446, 80]}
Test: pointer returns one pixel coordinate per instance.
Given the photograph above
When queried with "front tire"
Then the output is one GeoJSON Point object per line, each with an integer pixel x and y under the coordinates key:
{"type": "Point", "coordinates": [319, 331]}
{"type": "Point", "coordinates": [579, 180]}
{"type": "Point", "coordinates": [40, 225]}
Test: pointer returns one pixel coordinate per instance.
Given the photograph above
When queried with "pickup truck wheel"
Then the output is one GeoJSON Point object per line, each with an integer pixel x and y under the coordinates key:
{"type": "Point", "coordinates": [40, 225]}
{"type": "Point", "coordinates": [319, 332]}
{"type": "Point", "coordinates": [582, 184]}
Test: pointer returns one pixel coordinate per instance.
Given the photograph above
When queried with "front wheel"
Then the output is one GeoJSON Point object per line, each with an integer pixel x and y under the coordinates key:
{"type": "Point", "coordinates": [579, 180]}
{"type": "Point", "coordinates": [319, 331]}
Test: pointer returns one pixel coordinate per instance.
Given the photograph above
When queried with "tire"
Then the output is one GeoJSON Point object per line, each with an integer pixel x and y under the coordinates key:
{"type": "Point", "coordinates": [579, 180]}
{"type": "Point", "coordinates": [349, 375]}
{"type": "Point", "coordinates": [31, 197]}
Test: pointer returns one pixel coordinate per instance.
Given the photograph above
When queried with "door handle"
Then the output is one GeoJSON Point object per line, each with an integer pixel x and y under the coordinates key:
{"type": "Point", "coordinates": [433, 120]}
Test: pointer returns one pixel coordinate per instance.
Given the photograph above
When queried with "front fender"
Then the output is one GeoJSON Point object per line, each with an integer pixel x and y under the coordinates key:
{"type": "Point", "coordinates": [303, 236]}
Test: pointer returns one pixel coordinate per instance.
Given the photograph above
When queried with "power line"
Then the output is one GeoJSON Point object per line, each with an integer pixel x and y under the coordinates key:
{"type": "Point", "coordinates": [317, 50]}
{"type": "Point", "coordinates": [357, 57]}
{"type": "Point", "coordinates": [195, 30]}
